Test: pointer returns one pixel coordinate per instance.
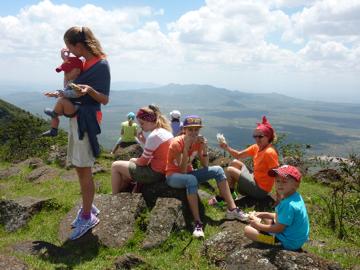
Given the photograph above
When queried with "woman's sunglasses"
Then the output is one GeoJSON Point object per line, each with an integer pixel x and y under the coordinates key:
{"type": "Point", "coordinates": [258, 136]}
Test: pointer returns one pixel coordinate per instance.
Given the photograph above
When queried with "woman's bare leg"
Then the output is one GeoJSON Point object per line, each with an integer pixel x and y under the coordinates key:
{"type": "Point", "coordinates": [120, 176]}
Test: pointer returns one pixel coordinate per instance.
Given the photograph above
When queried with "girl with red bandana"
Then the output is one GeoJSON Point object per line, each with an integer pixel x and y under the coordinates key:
{"type": "Point", "coordinates": [265, 158]}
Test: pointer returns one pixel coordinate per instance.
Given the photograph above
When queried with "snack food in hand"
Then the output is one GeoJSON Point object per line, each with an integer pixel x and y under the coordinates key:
{"type": "Point", "coordinates": [75, 87]}
{"type": "Point", "coordinates": [220, 138]}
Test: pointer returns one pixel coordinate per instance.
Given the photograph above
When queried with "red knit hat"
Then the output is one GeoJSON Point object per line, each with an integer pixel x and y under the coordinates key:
{"type": "Point", "coordinates": [69, 64]}
{"type": "Point", "coordinates": [286, 170]}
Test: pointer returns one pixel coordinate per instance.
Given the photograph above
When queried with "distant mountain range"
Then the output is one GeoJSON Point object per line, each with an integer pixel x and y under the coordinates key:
{"type": "Point", "coordinates": [330, 128]}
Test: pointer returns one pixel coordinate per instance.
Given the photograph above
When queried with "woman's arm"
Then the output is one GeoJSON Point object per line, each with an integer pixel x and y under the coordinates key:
{"type": "Point", "coordinates": [234, 153]}
{"type": "Point", "coordinates": [97, 96]}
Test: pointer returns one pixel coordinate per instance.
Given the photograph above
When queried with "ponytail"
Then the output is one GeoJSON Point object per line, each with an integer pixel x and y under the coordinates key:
{"type": "Point", "coordinates": [161, 120]}
{"type": "Point", "coordinates": [86, 37]}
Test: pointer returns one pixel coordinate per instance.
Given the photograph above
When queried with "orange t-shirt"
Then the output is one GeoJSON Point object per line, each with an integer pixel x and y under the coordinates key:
{"type": "Point", "coordinates": [176, 147]}
{"type": "Point", "coordinates": [264, 161]}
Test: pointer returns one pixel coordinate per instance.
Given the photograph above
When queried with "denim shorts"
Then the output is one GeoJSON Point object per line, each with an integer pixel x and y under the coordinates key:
{"type": "Point", "coordinates": [191, 180]}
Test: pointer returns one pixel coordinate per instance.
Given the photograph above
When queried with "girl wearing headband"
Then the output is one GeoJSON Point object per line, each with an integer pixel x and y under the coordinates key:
{"type": "Point", "coordinates": [150, 167]}
{"type": "Point", "coordinates": [265, 158]}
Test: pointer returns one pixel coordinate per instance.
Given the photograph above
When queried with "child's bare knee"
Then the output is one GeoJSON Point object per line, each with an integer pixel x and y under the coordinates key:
{"type": "Point", "coordinates": [247, 230]}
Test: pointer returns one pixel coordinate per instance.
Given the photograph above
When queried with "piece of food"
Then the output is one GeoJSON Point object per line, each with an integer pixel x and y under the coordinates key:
{"type": "Point", "coordinates": [220, 138]}
{"type": "Point", "coordinates": [75, 87]}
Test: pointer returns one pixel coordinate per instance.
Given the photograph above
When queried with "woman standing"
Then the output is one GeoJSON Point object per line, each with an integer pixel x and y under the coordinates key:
{"type": "Point", "coordinates": [83, 147]}
{"type": "Point", "coordinates": [265, 158]}
{"type": "Point", "coordinates": [150, 167]}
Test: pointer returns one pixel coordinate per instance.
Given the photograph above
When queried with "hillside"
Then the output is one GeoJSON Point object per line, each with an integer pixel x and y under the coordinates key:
{"type": "Point", "coordinates": [330, 128]}
{"type": "Point", "coordinates": [20, 134]}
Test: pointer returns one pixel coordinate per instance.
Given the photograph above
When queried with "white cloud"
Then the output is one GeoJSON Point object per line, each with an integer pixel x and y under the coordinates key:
{"type": "Point", "coordinates": [222, 37]}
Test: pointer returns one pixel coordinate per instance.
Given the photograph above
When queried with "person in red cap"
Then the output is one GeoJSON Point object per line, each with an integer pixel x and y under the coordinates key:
{"type": "Point", "coordinates": [265, 157]}
{"type": "Point", "coordinates": [289, 225]}
{"type": "Point", "coordinates": [72, 67]}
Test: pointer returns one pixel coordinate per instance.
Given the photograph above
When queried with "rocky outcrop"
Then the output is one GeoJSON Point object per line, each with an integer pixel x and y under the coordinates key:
{"type": "Point", "coordinates": [164, 216]}
{"type": "Point", "coordinates": [9, 172]}
{"type": "Point", "coordinates": [130, 261]}
{"type": "Point", "coordinates": [327, 176]}
{"type": "Point", "coordinates": [15, 214]}
{"type": "Point", "coordinates": [39, 248]}
{"type": "Point", "coordinates": [57, 155]}
{"type": "Point", "coordinates": [230, 249]}
{"type": "Point", "coordinates": [132, 151]}
{"type": "Point", "coordinates": [11, 263]}
{"type": "Point", "coordinates": [97, 168]}
{"type": "Point", "coordinates": [298, 162]}
{"type": "Point", "coordinates": [117, 219]}
{"type": "Point", "coordinates": [152, 192]}
{"type": "Point", "coordinates": [31, 163]}
{"type": "Point", "coordinates": [43, 173]}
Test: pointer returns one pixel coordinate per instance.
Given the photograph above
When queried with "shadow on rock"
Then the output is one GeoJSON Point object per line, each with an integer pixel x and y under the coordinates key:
{"type": "Point", "coordinates": [70, 254]}
{"type": "Point", "coordinates": [265, 204]}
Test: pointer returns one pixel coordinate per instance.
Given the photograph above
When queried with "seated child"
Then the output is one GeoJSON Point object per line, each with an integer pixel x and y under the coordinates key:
{"type": "Point", "coordinates": [289, 225]}
{"type": "Point", "coordinates": [128, 133]}
{"type": "Point", "coordinates": [72, 67]}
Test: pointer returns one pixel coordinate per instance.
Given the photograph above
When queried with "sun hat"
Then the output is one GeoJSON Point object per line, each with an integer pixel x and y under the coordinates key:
{"type": "Point", "coordinates": [69, 64]}
{"type": "Point", "coordinates": [131, 115]}
{"type": "Point", "coordinates": [286, 170]}
{"type": "Point", "coordinates": [175, 114]}
{"type": "Point", "coordinates": [192, 121]}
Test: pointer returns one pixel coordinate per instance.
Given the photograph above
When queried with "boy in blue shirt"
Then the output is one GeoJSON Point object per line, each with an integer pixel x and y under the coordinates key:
{"type": "Point", "coordinates": [290, 223]}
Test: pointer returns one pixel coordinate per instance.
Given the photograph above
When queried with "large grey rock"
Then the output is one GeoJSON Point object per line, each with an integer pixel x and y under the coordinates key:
{"type": "Point", "coordinates": [132, 151]}
{"type": "Point", "coordinates": [57, 154]}
{"type": "Point", "coordinates": [32, 163]}
{"type": "Point", "coordinates": [98, 169]}
{"type": "Point", "coordinates": [230, 249]}
{"type": "Point", "coordinates": [43, 173]}
{"type": "Point", "coordinates": [130, 261]}
{"type": "Point", "coordinates": [327, 176]}
{"type": "Point", "coordinates": [11, 263]}
{"type": "Point", "coordinates": [152, 192]}
{"type": "Point", "coordinates": [39, 248]}
{"type": "Point", "coordinates": [163, 219]}
{"type": "Point", "coordinates": [15, 214]}
{"type": "Point", "coordinates": [117, 219]}
{"type": "Point", "coordinates": [9, 172]}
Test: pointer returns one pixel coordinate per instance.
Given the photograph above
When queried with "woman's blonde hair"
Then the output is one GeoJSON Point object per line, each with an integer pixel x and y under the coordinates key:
{"type": "Point", "coordinates": [161, 120]}
{"type": "Point", "coordinates": [85, 36]}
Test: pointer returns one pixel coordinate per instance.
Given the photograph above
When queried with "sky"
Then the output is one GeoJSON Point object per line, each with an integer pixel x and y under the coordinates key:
{"type": "Point", "coordinates": [301, 48]}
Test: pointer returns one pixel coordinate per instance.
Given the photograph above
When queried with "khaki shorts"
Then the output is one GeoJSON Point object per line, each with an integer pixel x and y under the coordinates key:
{"type": "Point", "coordinates": [144, 174]}
{"type": "Point", "coordinates": [247, 185]}
{"type": "Point", "coordinates": [79, 152]}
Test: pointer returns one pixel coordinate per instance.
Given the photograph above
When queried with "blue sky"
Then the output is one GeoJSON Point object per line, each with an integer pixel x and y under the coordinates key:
{"type": "Point", "coordinates": [302, 48]}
